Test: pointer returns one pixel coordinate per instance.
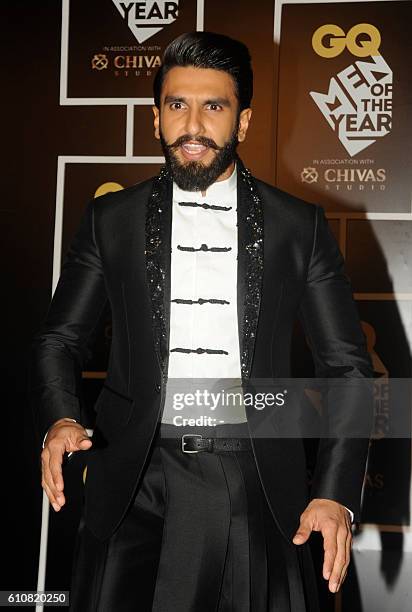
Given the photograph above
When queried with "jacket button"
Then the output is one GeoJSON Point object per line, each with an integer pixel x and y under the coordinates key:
{"type": "Point", "coordinates": [158, 387]}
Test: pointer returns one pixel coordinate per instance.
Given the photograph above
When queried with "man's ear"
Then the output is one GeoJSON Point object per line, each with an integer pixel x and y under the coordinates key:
{"type": "Point", "coordinates": [156, 122]}
{"type": "Point", "coordinates": [244, 119]}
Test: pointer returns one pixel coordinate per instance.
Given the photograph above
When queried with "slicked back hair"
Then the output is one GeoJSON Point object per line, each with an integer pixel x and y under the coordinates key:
{"type": "Point", "coordinates": [209, 50]}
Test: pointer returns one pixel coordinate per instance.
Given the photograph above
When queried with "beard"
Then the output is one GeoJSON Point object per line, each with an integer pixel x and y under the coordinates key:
{"type": "Point", "coordinates": [194, 175]}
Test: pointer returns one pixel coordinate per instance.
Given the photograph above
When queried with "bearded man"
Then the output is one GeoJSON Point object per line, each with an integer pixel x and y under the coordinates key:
{"type": "Point", "coordinates": [206, 270]}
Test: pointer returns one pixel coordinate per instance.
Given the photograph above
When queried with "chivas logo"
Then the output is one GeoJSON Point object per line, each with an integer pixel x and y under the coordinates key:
{"type": "Point", "coordinates": [100, 61]}
{"type": "Point", "coordinates": [145, 19]}
{"type": "Point", "coordinates": [309, 175]}
{"type": "Point", "coordinates": [358, 105]}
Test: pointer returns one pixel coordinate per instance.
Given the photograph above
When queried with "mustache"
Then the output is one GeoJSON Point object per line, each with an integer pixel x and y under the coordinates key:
{"type": "Point", "coordinates": [203, 140]}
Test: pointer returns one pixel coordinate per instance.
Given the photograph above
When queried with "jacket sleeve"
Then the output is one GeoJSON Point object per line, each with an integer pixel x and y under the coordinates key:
{"type": "Point", "coordinates": [331, 323]}
{"type": "Point", "coordinates": [60, 348]}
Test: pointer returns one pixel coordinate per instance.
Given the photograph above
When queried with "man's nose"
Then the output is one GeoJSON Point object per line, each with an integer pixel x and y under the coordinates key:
{"type": "Point", "coordinates": [194, 125]}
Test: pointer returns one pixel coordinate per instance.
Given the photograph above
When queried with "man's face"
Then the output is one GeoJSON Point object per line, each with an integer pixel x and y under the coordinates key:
{"type": "Point", "coordinates": [199, 125]}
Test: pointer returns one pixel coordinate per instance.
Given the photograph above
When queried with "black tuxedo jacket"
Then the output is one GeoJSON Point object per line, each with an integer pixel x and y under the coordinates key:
{"type": "Point", "coordinates": [121, 253]}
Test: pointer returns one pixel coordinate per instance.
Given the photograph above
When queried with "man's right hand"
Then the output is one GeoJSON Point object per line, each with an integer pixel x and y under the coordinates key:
{"type": "Point", "coordinates": [63, 436]}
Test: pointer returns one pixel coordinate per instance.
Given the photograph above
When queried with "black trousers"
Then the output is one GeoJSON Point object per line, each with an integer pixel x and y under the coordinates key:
{"type": "Point", "coordinates": [198, 537]}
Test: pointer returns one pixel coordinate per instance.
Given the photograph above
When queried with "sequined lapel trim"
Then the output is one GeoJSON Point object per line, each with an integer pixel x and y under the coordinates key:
{"type": "Point", "coordinates": [253, 268]}
{"type": "Point", "coordinates": [156, 262]}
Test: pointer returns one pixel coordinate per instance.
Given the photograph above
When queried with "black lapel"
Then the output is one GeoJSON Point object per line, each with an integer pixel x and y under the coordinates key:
{"type": "Point", "coordinates": [158, 253]}
{"type": "Point", "coordinates": [250, 265]}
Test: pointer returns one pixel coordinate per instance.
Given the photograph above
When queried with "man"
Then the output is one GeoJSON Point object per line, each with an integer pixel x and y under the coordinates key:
{"type": "Point", "coordinates": [206, 270]}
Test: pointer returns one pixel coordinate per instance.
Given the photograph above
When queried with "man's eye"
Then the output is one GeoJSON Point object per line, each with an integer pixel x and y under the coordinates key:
{"type": "Point", "coordinates": [176, 105]}
{"type": "Point", "coordinates": [214, 107]}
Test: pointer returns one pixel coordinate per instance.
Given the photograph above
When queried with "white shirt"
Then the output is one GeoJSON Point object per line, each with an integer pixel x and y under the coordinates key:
{"type": "Point", "coordinates": [205, 275]}
{"type": "Point", "coordinates": [204, 267]}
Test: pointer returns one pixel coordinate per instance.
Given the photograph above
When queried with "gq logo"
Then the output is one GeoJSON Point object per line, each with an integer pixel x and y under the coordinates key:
{"type": "Point", "coordinates": [330, 40]}
{"type": "Point", "coordinates": [358, 103]}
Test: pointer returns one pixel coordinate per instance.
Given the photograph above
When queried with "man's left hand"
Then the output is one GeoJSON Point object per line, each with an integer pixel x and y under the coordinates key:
{"type": "Point", "coordinates": [333, 521]}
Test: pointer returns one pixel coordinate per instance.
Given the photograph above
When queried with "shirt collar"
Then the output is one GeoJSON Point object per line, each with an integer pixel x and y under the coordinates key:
{"type": "Point", "coordinates": [217, 189]}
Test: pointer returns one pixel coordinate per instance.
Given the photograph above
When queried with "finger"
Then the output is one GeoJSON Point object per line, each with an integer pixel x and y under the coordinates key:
{"type": "Point", "coordinates": [48, 478]}
{"type": "Point", "coordinates": [345, 573]}
{"type": "Point", "coordinates": [330, 549]}
{"type": "Point", "coordinates": [342, 579]}
{"type": "Point", "coordinates": [302, 533]}
{"type": "Point", "coordinates": [56, 459]}
{"type": "Point", "coordinates": [46, 473]}
{"type": "Point", "coordinates": [50, 495]}
{"type": "Point", "coordinates": [59, 486]}
{"type": "Point", "coordinates": [85, 443]}
{"type": "Point", "coordinates": [56, 472]}
{"type": "Point", "coordinates": [48, 481]}
{"type": "Point", "coordinates": [340, 559]}
{"type": "Point", "coordinates": [80, 442]}
{"type": "Point", "coordinates": [347, 561]}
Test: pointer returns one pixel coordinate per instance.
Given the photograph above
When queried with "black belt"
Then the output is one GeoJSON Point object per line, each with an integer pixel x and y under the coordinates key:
{"type": "Point", "coordinates": [196, 443]}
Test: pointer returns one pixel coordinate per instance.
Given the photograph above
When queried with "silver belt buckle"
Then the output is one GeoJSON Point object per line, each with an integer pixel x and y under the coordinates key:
{"type": "Point", "coordinates": [184, 443]}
